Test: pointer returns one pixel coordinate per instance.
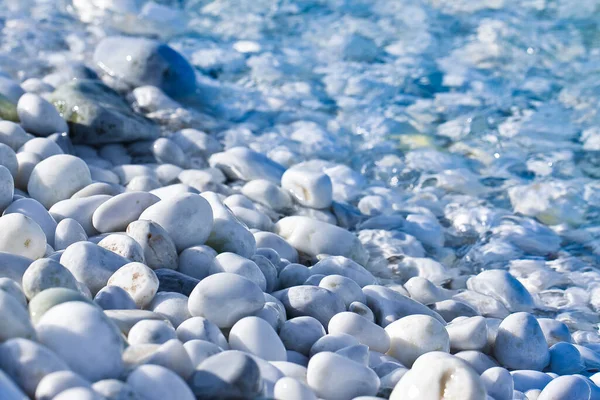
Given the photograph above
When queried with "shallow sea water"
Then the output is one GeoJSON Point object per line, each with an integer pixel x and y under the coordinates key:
{"type": "Point", "coordinates": [474, 123]}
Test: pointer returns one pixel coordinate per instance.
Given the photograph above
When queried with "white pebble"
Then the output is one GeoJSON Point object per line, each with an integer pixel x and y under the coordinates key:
{"type": "Point", "coordinates": [154, 382]}
{"type": "Point", "coordinates": [7, 188]}
{"type": "Point", "coordinates": [92, 337]}
{"type": "Point", "coordinates": [188, 218]}
{"type": "Point", "coordinates": [467, 334]}
{"type": "Point", "coordinates": [22, 236]}
{"type": "Point", "coordinates": [520, 343]}
{"type": "Point", "coordinates": [309, 188]}
{"type": "Point", "coordinates": [115, 214]}
{"type": "Point", "coordinates": [255, 336]}
{"type": "Point", "coordinates": [42, 147]}
{"type": "Point", "coordinates": [26, 163]}
{"type": "Point", "coordinates": [235, 264]}
{"type": "Point", "coordinates": [68, 231]}
{"type": "Point", "coordinates": [267, 193]}
{"type": "Point", "coordinates": [150, 332]}
{"type": "Point", "coordinates": [415, 335]}
{"type": "Point", "coordinates": [199, 328]}
{"type": "Point", "coordinates": [58, 178]}
{"type": "Point", "coordinates": [39, 116]}
{"type": "Point", "coordinates": [138, 280]}
{"type": "Point", "coordinates": [365, 331]}
{"type": "Point", "coordinates": [12, 135]}
{"type": "Point", "coordinates": [45, 273]}
{"type": "Point", "coordinates": [292, 389]}
{"type": "Point", "coordinates": [225, 298]}
{"type": "Point", "coordinates": [57, 382]}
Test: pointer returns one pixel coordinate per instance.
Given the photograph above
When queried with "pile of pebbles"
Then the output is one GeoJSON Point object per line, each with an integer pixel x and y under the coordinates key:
{"type": "Point", "coordinates": [139, 261]}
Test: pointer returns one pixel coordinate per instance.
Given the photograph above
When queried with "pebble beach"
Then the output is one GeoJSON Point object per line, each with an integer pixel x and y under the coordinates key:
{"type": "Point", "coordinates": [299, 200]}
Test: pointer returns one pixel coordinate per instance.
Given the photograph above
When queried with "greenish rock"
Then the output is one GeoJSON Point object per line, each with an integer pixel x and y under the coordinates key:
{"type": "Point", "coordinates": [49, 298]}
{"type": "Point", "coordinates": [8, 110]}
{"type": "Point", "coordinates": [96, 114]}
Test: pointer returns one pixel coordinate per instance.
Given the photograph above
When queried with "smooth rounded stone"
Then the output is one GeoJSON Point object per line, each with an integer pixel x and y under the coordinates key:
{"type": "Point", "coordinates": [168, 173]}
{"type": "Point", "coordinates": [79, 209]}
{"type": "Point", "coordinates": [173, 306]}
{"type": "Point", "coordinates": [309, 188]}
{"type": "Point", "coordinates": [425, 292]}
{"type": "Point", "coordinates": [525, 380]}
{"type": "Point", "coordinates": [138, 280]}
{"type": "Point", "coordinates": [255, 336]}
{"type": "Point", "coordinates": [503, 287]}
{"type": "Point", "coordinates": [123, 245]}
{"type": "Point", "coordinates": [57, 382]}
{"type": "Point", "coordinates": [434, 375]}
{"type": "Point", "coordinates": [187, 218]}
{"type": "Point", "coordinates": [451, 309]}
{"type": "Point", "coordinates": [36, 211]}
{"type": "Point", "coordinates": [565, 359]}
{"type": "Point", "coordinates": [566, 388]}
{"type": "Point", "coordinates": [158, 247]}
{"type": "Point", "coordinates": [9, 390]}
{"type": "Point", "coordinates": [173, 281]}
{"type": "Point", "coordinates": [199, 328]}
{"type": "Point", "coordinates": [362, 310]}
{"type": "Point", "coordinates": [153, 382]}
{"type": "Point", "coordinates": [590, 357]}
{"type": "Point", "coordinates": [200, 350]}
{"type": "Point", "coordinates": [68, 231]}
{"type": "Point", "coordinates": [277, 243]}
{"type": "Point", "coordinates": [293, 275]}
{"type": "Point", "coordinates": [229, 374]}
{"type": "Point", "coordinates": [117, 213]}
{"type": "Point", "coordinates": [26, 164]}
{"type": "Point", "coordinates": [167, 151]}
{"type": "Point", "coordinates": [143, 184]}
{"type": "Point", "coordinates": [323, 215]}
{"type": "Point", "coordinates": [293, 389]}
{"type": "Point", "coordinates": [499, 383]}
{"type": "Point", "coordinates": [197, 261]}
{"type": "Point", "coordinates": [45, 273]}
{"type": "Point", "coordinates": [483, 304]}
{"type": "Point", "coordinates": [389, 305]}
{"type": "Point", "coordinates": [49, 298]}
{"type": "Point", "coordinates": [347, 289]}
{"type": "Point", "coordinates": [42, 147]}
{"type": "Point", "coordinates": [57, 178]}
{"type": "Point", "coordinates": [467, 334]}
{"type": "Point", "coordinates": [225, 298]}
{"type": "Point", "coordinates": [228, 234]}
{"type": "Point", "coordinates": [314, 237]}
{"type": "Point", "coordinates": [10, 89]}
{"type": "Point", "coordinates": [140, 61]}
{"type": "Point", "coordinates": [150, 332]}
{"type": "Point", "coordinates": [554, 331]}
{"type": "Point", "coordinates": [16, 318]}
{"type": "Point", "coordinates": [366, 332]}
{"type": "Point", "coordinates": [235, 264]}
{"type": "Point", "coordinates": [314, 280]}
{"type": "Point", "coordinates": [332, 342]}
{"type": "Point", "coordinates": [352, 379]}
{"type": "Point", "coordinates": [99, 115]}
{"type": "Point", "coordinates": [311, 301]}
{"type": "Point", "coordinates": [195, 142]}
{"type": "Point", "coordinates": [38, 116]}
{"type": "Point", "coordinates": [96, 188]}
{"type": "Point", "coordinates": [7, 188]}
{"type": "Point", "coordinates": [414, 335]}
{"type": "Point", "coordinates": [125, 319]}
{"type": "Point", "coordinates": [520, 343]}
{"type": "Point", "coordinates": [246, 165]}
{"type": "Point", "coordinates": [113, 389]}
{"type": "Point", "coordinates": [27, 362]}
{"type": "Point", "coordinates": [14, 289]}
{"type": "Point", "coordinates": [21, 235]}
{"type": "Point", "coordinates": [114, 298]}
{"type": "Point", "coordinates": [37, 86]}
{"type": "Point", "coordinates": [479, 361]}
{"type": "Point", "coordinates": [93, 337]}
{"type": "Point", "coordinates": [91, 264]}
{"type": "Point", "coordinates": [300, 334]}
{"type": "Point", "coordinates": [116, 153]}
{"type": "Point", "coordinates": [271, 315]}
{"type": "Point", "coordinates": [8, 158]}
{"type": "Point", "coordinates": [13, 135]}
{"type": "Point", "coordinates": [358, 353]}
{"type": "Point", "coordinates": [267, 193]}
